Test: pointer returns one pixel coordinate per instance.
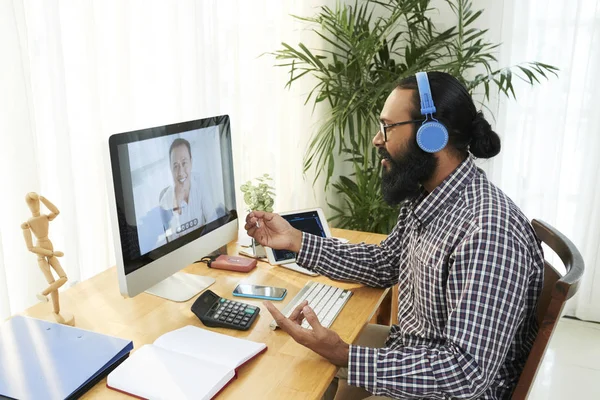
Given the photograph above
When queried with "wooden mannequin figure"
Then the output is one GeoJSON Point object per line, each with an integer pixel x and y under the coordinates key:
{"type": "Point", "coordinates": [38, 224]}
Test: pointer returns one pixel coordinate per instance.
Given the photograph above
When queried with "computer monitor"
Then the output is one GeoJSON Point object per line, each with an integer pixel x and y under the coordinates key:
{"type": "Point", "coordinates": [172, 202]}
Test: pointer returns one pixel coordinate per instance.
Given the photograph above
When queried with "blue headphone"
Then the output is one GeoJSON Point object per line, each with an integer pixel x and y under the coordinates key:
{"type": "Point", "coordinates": [432, 136]}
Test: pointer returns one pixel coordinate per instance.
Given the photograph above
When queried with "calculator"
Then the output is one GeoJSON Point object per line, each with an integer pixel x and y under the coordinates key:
{"type": "Point", "coordinates": [217, 312]}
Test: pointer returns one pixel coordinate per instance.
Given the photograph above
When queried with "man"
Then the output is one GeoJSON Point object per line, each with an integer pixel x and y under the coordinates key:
{"type": "Point", "coordinates": [468, 266]}
{"type": "Point", "coordinates": [184, 205]}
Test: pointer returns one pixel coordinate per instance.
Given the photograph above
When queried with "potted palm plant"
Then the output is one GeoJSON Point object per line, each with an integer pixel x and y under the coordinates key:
{"type": "Point", "coordinates": [368, 47]}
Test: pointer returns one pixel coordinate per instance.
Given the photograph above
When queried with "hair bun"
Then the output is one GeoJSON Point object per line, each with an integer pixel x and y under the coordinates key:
{"type": "Point", "coordinates": [485, 143]}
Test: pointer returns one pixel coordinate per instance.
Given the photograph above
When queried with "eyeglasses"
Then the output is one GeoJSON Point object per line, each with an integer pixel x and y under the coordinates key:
{"type": "Point", "coordinates": [383, 127]}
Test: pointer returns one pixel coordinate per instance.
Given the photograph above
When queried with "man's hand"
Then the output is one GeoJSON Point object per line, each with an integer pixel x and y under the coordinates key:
{"type": "Point", "coordinates": [273, 231]}
{"type": "Point", "coordinates": [321, 340]}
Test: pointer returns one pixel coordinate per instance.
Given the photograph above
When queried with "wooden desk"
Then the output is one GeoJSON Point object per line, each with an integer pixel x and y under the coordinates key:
{"type": "Point", "coordinates": [285, 371]}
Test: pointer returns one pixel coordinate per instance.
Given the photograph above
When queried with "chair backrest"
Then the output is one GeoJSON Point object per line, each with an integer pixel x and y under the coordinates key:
{"type": "Point", "coordinates": [556, 291]}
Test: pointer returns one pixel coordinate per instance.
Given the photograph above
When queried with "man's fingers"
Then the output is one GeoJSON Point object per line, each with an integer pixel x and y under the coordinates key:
{"type": "Point", "coordinates": [254, 216]}
{"type": "Point", "coordinates": [312, 318]}
{"type": "Point", "coordinates": [277, 315]}
{"type": "Point", "coordinates": [292, 329]}
{"type": "Point", "coordinates": [250, 229]}
{"type": "Point", "coordinates": [298, 312]}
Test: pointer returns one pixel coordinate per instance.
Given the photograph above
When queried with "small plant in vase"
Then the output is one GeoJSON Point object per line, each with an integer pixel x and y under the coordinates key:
{"type": "Point", "coordinates": [259, 197]}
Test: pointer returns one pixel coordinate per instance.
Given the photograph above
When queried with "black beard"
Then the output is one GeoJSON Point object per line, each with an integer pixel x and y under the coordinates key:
{"type": "Point", "coordinates": [402, 181]}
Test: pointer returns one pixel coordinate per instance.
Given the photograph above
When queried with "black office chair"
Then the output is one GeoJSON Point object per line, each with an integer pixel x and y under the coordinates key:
{"type": "Point", "coordinates": [556, 291]}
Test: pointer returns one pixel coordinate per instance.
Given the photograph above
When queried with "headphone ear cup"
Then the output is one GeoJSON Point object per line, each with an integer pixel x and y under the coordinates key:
{"type": "Point", "coordinates": [432, 137]}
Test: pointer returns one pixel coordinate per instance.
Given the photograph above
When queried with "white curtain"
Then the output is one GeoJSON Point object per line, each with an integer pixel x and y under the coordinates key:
{"type": "Point", "coordinates": [549, 164]}
{"type": "Point", "coordinates": [75, 72]}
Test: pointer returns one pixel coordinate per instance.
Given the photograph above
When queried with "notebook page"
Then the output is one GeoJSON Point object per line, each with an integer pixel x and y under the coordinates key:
{"type": "Point", "coordinates": [155, 373]}
{"type": "Point", "coordinates": [211, 346]}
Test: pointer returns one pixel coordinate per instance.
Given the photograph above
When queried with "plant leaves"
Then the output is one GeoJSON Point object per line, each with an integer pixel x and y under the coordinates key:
{"type": "Point", "coordinates": [367, 47]}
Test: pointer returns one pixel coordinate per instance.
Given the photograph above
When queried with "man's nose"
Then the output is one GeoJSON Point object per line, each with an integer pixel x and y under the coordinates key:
{"type": "Point", "coordinates": [378, 139]}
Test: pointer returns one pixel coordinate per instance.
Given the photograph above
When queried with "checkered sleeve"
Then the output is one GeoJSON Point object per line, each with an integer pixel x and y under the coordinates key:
{"type": "Point", "coordinates": [372, 265]}
{"type": "Point", "coordinates": [486, 291]}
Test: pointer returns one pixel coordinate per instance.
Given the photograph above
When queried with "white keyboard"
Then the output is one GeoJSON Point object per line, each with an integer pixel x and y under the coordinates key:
{"type": "Point", "coordinates": [327, 302]}
{"type": "Point", "coordinates": [295, 267]}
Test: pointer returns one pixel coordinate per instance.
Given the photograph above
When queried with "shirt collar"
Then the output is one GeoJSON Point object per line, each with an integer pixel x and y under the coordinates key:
{"type": "Point", "coordinates": [429, 205]}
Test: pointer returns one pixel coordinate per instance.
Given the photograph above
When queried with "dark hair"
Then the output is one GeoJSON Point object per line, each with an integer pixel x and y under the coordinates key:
{"type": "Point", "coordinates": [468, 129]}
{"type": "Point", "coordinates": [180, 142]}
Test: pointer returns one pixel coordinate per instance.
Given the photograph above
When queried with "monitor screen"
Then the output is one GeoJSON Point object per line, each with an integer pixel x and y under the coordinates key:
{"type": "Point", "coordinates": [173, 185]}
{"type": "Point", "coordinates": [309, 222]}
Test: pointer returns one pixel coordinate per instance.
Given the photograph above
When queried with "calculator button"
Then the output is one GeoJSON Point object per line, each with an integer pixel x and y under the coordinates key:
{"type": "Point", "coordinates": [222, 300]}
{"type": "Point", "coordinates": [222, 318]}
{"type": "Point", "coordinates": [249, 311]}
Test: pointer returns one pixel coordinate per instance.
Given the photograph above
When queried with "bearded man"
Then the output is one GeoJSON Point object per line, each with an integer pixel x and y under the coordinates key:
{"type": "Point", "coordinates": [466, 261]}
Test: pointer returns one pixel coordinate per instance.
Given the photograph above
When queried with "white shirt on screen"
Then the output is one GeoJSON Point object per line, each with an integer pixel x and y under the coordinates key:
{"type": "Point", "coordinates": [198, 211]}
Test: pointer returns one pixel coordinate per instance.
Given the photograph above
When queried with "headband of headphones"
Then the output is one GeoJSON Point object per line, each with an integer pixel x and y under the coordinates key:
{"type": "Point", "coordinates": [427, 106]}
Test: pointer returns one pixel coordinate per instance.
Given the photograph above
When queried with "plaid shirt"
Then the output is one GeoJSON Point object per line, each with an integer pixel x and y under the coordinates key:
{"type": "Point", "coordinates": [469, 271]}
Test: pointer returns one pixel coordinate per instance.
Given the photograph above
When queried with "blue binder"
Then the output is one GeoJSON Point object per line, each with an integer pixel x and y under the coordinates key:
{"type": "Point", "coordinates": [45, 360]}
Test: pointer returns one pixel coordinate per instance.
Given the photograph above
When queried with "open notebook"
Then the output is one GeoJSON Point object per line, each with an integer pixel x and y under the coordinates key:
{"type": "Point", "coordinates": [188, 363]}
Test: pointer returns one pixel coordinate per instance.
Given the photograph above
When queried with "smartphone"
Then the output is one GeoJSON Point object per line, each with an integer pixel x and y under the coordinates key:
{"type": "Point", "coordinates": [259, 292]}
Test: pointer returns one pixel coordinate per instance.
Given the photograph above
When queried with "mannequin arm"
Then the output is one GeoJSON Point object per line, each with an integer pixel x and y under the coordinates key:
{"type": "Point", "coordinates": [29, 242]}
{"type": "Point", "coordinates": [53, 210]}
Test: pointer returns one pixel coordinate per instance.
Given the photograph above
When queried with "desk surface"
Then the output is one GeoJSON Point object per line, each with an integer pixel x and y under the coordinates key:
{"type": "Point", "coordinates": [286, 370]}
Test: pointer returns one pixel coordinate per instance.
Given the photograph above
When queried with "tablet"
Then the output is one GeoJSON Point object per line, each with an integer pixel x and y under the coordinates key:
{"type": "Point", "coordinates": [311, 221]}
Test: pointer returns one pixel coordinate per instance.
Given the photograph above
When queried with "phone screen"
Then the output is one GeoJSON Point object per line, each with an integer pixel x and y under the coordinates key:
{"type": "Point", "coordinates": [257, 290]}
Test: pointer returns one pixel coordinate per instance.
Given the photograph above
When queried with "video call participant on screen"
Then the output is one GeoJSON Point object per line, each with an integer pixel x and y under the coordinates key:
{"type": "Point", "coordinates": [467, 263]}
{"type": "Point", "coordinates": [185, 204]}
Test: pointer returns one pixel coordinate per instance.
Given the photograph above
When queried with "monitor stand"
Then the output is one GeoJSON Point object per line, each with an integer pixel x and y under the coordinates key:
{"type": "Point", "coordinates": [181, 286]}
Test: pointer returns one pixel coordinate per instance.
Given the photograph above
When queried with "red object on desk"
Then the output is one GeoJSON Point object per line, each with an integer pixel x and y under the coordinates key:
{"type": "Point", "coordinates": [234, 263]}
